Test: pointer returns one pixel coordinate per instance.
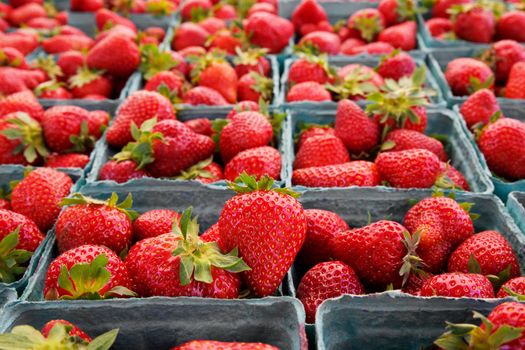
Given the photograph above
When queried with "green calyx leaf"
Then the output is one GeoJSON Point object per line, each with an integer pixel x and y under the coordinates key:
{"type": "Point", "coordinates": [83, 141]}
{"type": "Point", "coordinates": [160, 7]}
{"type": "Point", "coordinates": [28, 132]}
{"type": "Point", "coordinates": [49, 65]}
{"type": "Point", "coordinates": [12, 260]}
{"type": "Point", "coordinates": [501, 278]}
{"type": "Point", "coordinates": [84, 76]}
{"type": "Point", "coordinates": [103, 341]}
{"type": "Point", "coordinates": [263, 85]}
{"type": "Point", "coordinates": [50, 85]}
{"type": "Point", "coordinates": [124, 206]}
{"type": "Point", "coordinates": [153, 61]}
{"type": "Point", "coordinates": [246, 184]}
{"type": "Point", "coordinates": [217, 125]}
{"type": "Point", "coordinates": [197, 170]}
{"type": "Point", "coordinates": [368, 27]}
{"type": "Point", "coordinates": [512, 293]}
{"type": "Point", "coordinates": [476, 84]}
{"type": "Point", "coordinates": [355, 84]}
{"type": "Point", "coordinates": [411, 261]}
{"type": "Point", "coordinates": [249, 57]}
{"type": "Point", "coordinates": [203, 62]}
{"type": "Point", "coordinates": [198, 257]}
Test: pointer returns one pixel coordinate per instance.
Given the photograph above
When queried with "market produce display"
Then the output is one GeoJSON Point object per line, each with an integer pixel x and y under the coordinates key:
{"type": "Point", "coordinates": [262, 174]}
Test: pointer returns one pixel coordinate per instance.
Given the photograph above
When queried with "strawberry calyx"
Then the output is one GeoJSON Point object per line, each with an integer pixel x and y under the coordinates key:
{"type": "Point", "coordinates": [246, 184]}
{"type": "Point", "coordinates": [308, 48]}
{"type": "Point", "coordinates": [512, 293]}
{"type": "Point", "coordinates": [198, 14]}
{"type": "Point", "coordinates": [198, 257]}
{"type": "Point", "coordinates": [28, 132]}
{"type": "Point", "coordinates": [406, 10]}
{"type": "Point", "coordinates": [172, 95]}
{"type": "Point", "coordinates": [355, 84]}
{"type": "Point", "coordinates": [27, 337]}
{"type": "Point", "coordinates": [368, 26]}
{"type": "Point", "coordinates": [160, 7]}
{"type": "Point", "coordinates": [468, 336]}
{"type": "Point", "coordinates": [478, 128]}
{"type": "Point", "coordinates": [112, 202]}
{"type": "Point", "coordinates": [84, 76]}
{"type": "Point", "coordinates": [50, 85]}
{"type": "Point", "coordinates": [203, 62]}
{"type": "Point", "coordinates": [12, 260]}
{"type": "Point", "coordinates": [476, 84]}
{"type": "Point", "coordinates": [496, 280]}
{"type": "Point", "coordinates": [263, 85]}
{"type": "Point", "coordinates": [48, 65]}
{"type": "Point", "coordinates": [153, 61]}
{"type": "Point", "coordinates": [248, 57]}
{"type": "Point", "coordinates": [83, 141]}
{"type": "Point", "coordinates": [412, 263]}
{"type": "Point", "coordinates": [197, 171]}
{"type": "Point", "coordinates": [5, 61]}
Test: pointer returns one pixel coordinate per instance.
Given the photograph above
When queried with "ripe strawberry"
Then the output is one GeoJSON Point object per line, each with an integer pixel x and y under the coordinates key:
{"type": "Point", "coordinates": [74, 330]}
{"type": "Point", "coordinates": [23, 14]}
{"type": "Point", "coordinates": [396, 65]}
{"type": "Point", "coordinates": [118, 56]}
{"type": "Point", "coordinates": [320, 151]}
{"type": "Point", "coordinates": [14, 80]}
{"type": "Point", "coordinates": [69, 63]}
{"type": "Point", "coordinates": [368, 23]}
{"type": "Point", "coordinates": [279, 232]}
{"type": "Point", "coordinates": [458, 285]}
{"type": "Point", "coordinates": [509, 24]}
{"type": "Point", "coordinates": [137, 108]}
{"type": "Point", "coordinates": [246, 130]}
{"type": "Point", "coordinates": [369, 75]}
{"type": "Point", "coordinates": [218, 345]}
{"type": "Point", "coordinates": [312, 131]}
{"type": "Point", "coordinates": [269, 31]}
{"type": "Point", "coordinates": [439, 26]}
{"type": "Point", "coordinates": [189, 34]}
{"type": "Point", "coordinates": [308, 91]}
{"type": "Point", "coordinates": [322, 227]}
{"type": "Point", "coordinates": [502, 56]}
{"type": "Point", "coordinates": [106, 19]}
{"type": "Point", "coordinates": [321, 41]}
{"type": "Point", "coordinates": [63, 43]}
{"type": "Point", "coordinates": [474, 23]}
{"type": "Point", "coordinates": [21, 140]}
{"type": "Point", "coordinates": [120, 30]}
{"type": "Point", "coordinates": [22, 42]}
{"type": "Point", "coordinates": [253, 87]}
{"type": "Point", "coordinates": [86, 6]}
{"type": "Point", "coordinates": [403, 139]}
{"type": "Point", "coordinates": [173, 81]}
{"type": "Point", "coordinates": [201, 95]}
{"type": "Point", "coordinates": [192, 6]}
{"type": "Point", "coordinates": [396, 11]}
{"type": "Point", "coordinates": [121, 171]}
{"type": "Point", "coordinates": [87, 82]}
{"type": "Point", "coordinates": [479, 107]}
{"type": "Point", "coordinates": [225, 11]}
{"type": "Point", "coordinates": [212, 24]}
{"type": "Point", "coordinates": [9, 56]}
{"type": "Point", "coordinates": [451, 177]}
{"type": "Point", "coordinates": [466, 75]}
{"type": "Point", "coordinates": [157, 268]}
{"type": "Point", "coordinates": [350, 44]}
{"type": "Point", "coordinates": [215, 73]}
{"type": "Point", "coordinates": [502, 143]}
{"type": "Point", "coordinates": [262, 7]}
{"type": "Point", "coordinates": [308, 12]}
{"type": "Point", "coordinates": [257, 162]}
{"type": "Point", "coordinates": [201, 126]}
{"type": "Point", "coordinates": [441, 7]}
{"type": "Point", "coordinates": [252, 60]}
{"type": "Point", "coordinates": [326, 280]}
{"type": "Point", "coordinates": [310, 68]}
{"type": "Point", "coordinates": [89, 278]}
{"type": "Point", "coordinates": [415, 282]}
{"type": "Point", "coordinates": [377, 48]}
{"type": "Point", "coordinates": [243, 106]}
{"type": "Point", "coordinates": [358, 132]}
{"type": "Point", "coordinates": [358, 173]}
{"type": "Point", "coordinates": [23, 101]}
{"type": "Point", "coordinates": [154, 223]}
{"type": "Point", "coordinates": [28, 237]}
{"type": "Point", "coordinates": [52, 90]}
{"type": "Point", "coordinates": [376, 252]}
{"type": "Point", "coordinates": [515, 285]}
{"type": "Point", "coordinates": [516, 81]}
{"type": "Point", "coordinates": [69, 160]}
{"type": "Point", "coordinates": [401, 36]}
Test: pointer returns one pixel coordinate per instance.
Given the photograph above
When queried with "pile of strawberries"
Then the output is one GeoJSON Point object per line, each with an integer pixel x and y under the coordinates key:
{"type": "Point", "coordinates": [476, 21]}
{"type": "Point", "coordinates": [155, 7]}
{"type": "Point", "coordinates": [30, 14]}
{"type": "Point", "coordinates": [166, 147]}
{"type": "Point", "coordinates": [59, 137]}
{"type": "Point", "coordinates": [371, 30]}
{"type": "Point", "coordinates": [500, 68]}
{"type": "Point", "coordinates": [435, 252]}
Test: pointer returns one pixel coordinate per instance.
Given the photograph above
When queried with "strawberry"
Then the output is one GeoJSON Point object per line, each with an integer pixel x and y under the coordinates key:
{"type": "Point", "coordinates": [173, 81]}
{"type": "Point", "coordinates": [218, 345]}
{"type": "Point", "coordinates": [396, 65]}
{"type": "Point", "coordinates": [509, 24]}
{"type": "Point", "coordinates": [358, 173]}
{"type": "Point", "coordinates": [14, 80]}
{"type": "Point", "coordinates": [121, 171]}
{"type": "Point", "coordinates": [137, 108]}
{"type": "Point", "coordinates": [439, 26]}
{"type": "Point", "coordinates": [63, 43]}
{"type": "Point", "coordinates": [502, 56]}
{"type": "Point", "coordinates": [205, 171]}
{"type": "Point", "coordinates": [243, 106]}
{"type": "Point", "coordinates": [320, 151]}
{"type": "Point", "coordinates": [415, 282]}
{"type": "Point", "coordinates": [212, 24]}
{"type": "Point", "coordinates": [88, 82]}
{"type": "Point", "coordinates": [86, 6]}
{"type": "Point", "coordinates": [106, 19]}
{"type": "Point", "coordinates": [358, 132]}
{"type": "Point", "coordinates": [225, 11]}
{"type": "Point", "coordinates": [474, 23]}
{"type": "Point", "coordinates": [323, 26]}
{"type": "Point", "coordinates": [246, 130]}
{"type": "Point", "coordinates": [9, 56]}
{"type": "Point", "coordinates": [490, 252]}
{"type": "Point", "coordinates": [323, 226]}
{"type": "Point", "coordinates": [197, 51]}
{"type": "Point", "coordinates": [397, 11]}
{"type": "Point", "coordinates": [479, 107]}
{"type": "Point", "coordinates": [377, 48]}
{"type": "Point", "coordinates": [368, 23]}
{"type": "Point", "coordinates": [257, 162]}
{"type": "Point", "coordinates": [201, 126]}
{"type": "Point", "coordinates": [377, 252]}
{"type": "Point", "coordinates": [269, 31]}
{"type": "Point", "coordinates": [159, 265]}
{"type": "Point", "coordinates": [262, 7]}
{"type": "Point", "coordinates": [22, 42]}
{"type": "Point", "coordinates": [224, 41]}
{"type": "Point", "coordinates": [189, 34]}
{"type": "Point", "coordinates": [501, 143]}
{"type": "Point", "coordinates": [201, 95]}
{"type": "Point", "coordinates": [312, 131]}
{"type": "Point", "coordinates": [458, 285]}
{"type": "Point", "coordinates": [23, 14]}
{"type": "Point", "coordinates": [308, 91]}
{"type": "Point", "coordinates": [261, 233]}
{"type": "Point", "coordinates": [52, 90]}
{"type": "Point", "coordinates": [118, 56]}
{"type": "Point", "coordinates": [21, 140]}
{"type": "Point", "coordinates": [515, 285]}
{"type": "Point", "coordinates": [310, 68]}
{"type": "Point", "coordinates": [308, 12]}
{"type": "Point", "coordinates": [69, 160]}
{"type": "Point", "coordinates": [120, 30]}
{"type": "Point", "coordinates": [320, 41]}
{"type": "Point", "coordinates": [467, 75]}
{"type": "Point", "coordinates": [516, 80]}
{"type": "Point", "coordinates": [401, 36]}
{"type": "Point", "coordinates": [87, 272]}
{"type": "Point", "coordinates": [253, 87]}
{"type": "Point", "coordinates": [441, 8]}
{"type": "Point", "coordinates": [24, 101]}
{"type": "Point", "coordinates": [403, 139]}
{"type": "Point", "coordinates": [368, 74]}
{"type": "Point", "coordinates": [326, 280]}
{"type": "Point", "coordinates": [350, 44]}
{"type": "Point", "coordinates": [214, 72]}
{"type": "Point", "coordinates": [191, 7]}
{"type": "Point", "coordinates": [412, 168]}
{"type": "Point", "coordinates": [451, 177]}
{"type": "Point", "coordinates": [252, 60]}
{"type": "Point", "coordinates": [74, 332]}
{"type": "Point", "coordinates": [69, 62]}
{"type": "Point", "coordinates": [154, 223]}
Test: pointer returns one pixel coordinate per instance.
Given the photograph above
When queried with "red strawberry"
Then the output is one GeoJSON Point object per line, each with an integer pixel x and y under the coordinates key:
{"type": "Point", "coordinates": [308, 12]}
{"type": "Point", "coordinates": [201, 95]}
{"type": "Point", "coordinates": [479, 107]}
{"type": "Point", "coordinates": [396, 65]}
{"type": "Point", "coordinates": [502, 143]}
{"type": "Point", "coordinates": [173, 81]}
{"type": "Point", "coordinates": [154, 223]}
{"type": "Point", "coordinates": [441, 7]}
{"type": "Point", "coordinates": [69, 62]}
{"type": "Point", "coordinates": [326, 280]}
{"type": "Point", "coordinates": [377, 48]}
{"type": "Point", "coordinates": [269, 31]}
{"type": "Point", "coordinates": [312, 131]}
{"type": "Point", "coordinates": [403, 139]}
{"type": "Point", "coordinates": [224, 41]}
{"type": "Point", "coordinates": [308, 91]}
{"type": "Point", "coordinates": [193, 6]}
{"type": "Point", "coordinates": [358, 132]}
{"type": "Point", "coordinates": [252, 61]}
{"type": "Point", "coordinates": [25, 13]}
{"type": "Point", "coordinates": [350, 44]}
{"type": "Point", "coordinates": [369, 75]}
{"type": "Point", "coordinates": [225, 12]}
{"type": "Point", "coordinates": [157, 268]}
{"type": "Point", "coordinates": [474, 23]}
{"type": "Point", "coordinates": [118, 56]}
{"type": "Point", "coordinates": [73, 332]}
{"type": "Point", "coordinates": [262, 7]}
{"type": "Point", "coordinates": [218, 345]}
{"type": "Point", "coordinates": [215, 73]}
{"type": "Point", "coordinates": [15, 80]}
{"type": "Point", "coordinates": [396, 11]}
{"type": "Point", "coordinates": [515, 285]}
{"type": "Point", "coordinates": [310, 68]}
{"type": "Point", "coordinates": [201, 126]}
{"type": "Point", "coordinates": [28, 236]}
{"type": "Point", "coordinates": [280, 231]}
{"type": "Point", "coordinates": [212, 24]}
{"type": "Point", "coordinates": [21, 140]}
{"type": "Point", "coordinates": [451, 177]}
{"type": "Point", "coordinates": [243, 106]}
{"type": "Point", "coordinates": [458, 285]}
{"type": "Point", "coordinates": [106, 19]}
{"type": "Point", "coordinates": [63, 43]}
{"type": "Point", "coordinates": [323, 226]}
{"type": "Point", "coordinates": [9, 56]}
{"type": "Point", "coordinates": [358, 173]}
{"type": "Point", "coordinates": [86, 6]}
{"type": "Point", "coordinates": [320, 151]}
{"type": "Point", "coordinates": [22, 42]}
{"type": "Point", "coordinates": [324, 42]}
{"type": "Point", "coordinates": [257, 162]}
{"type": "Point", "coordinates": [69, 160]}
{"type": "Point", "coordinates": [139, 107]}
{"type": "Point", "coordinates": [415, 283]}
{"type": "Point", "coordinates": [516, 80]}
{"type": "Point", "coordinates": [189, 34]}
{"type": "Point", "coordinates": [509, 26]}
{"type": "Point", "coordinates": [466, 75]}
{"type": "Point", "coordinates": [121, 171]}
{"type": "Point", "coordinates": [93, 263]}
{"type": "Point", "coordinates": [52, 90]}
{"type": "Point", "coordinates": [23, 101]}
{"type": "Point", "coordinates": [439, 26]}
{"type": "Point", "coordinates": [253, 87]}
{"type": "Point", "coordinates": [502, 57]}
{"type": "Point", "coordinates": [205, 171]}
{"type": "Point", "coordinates": [87, 82]}
{"type": "Point", "coordinates": [401, 36]}
{"type": "Point", "coordinates": [367, 22]}
{"type": "Point", "coordinates": [90, 221]}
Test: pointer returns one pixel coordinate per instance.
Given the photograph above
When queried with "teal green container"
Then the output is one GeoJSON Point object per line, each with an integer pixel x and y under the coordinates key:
{"type": "Point", "coordinates": [516, 208]}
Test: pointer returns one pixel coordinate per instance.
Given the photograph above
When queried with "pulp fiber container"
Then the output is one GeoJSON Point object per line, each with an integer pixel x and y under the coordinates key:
{"type": "Point", "coordinates": [163, 323]}
{"type": "Point", "coordinates": [440, 122]}
{"type": "Point", "coordinates": [391, 321]}
{"type": "Point", "coordinates": [502, 188]}
{"type": "Point", "coordinates": [516, 208]}
{"type": "Point", "coordinates": [207, 204]}
{"type": "Point", "coordinates": [367, 60]}
{"type": "Point", "coordinates": [104, 152]}
{"type": "Point", "coordinates": [7, 295]}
